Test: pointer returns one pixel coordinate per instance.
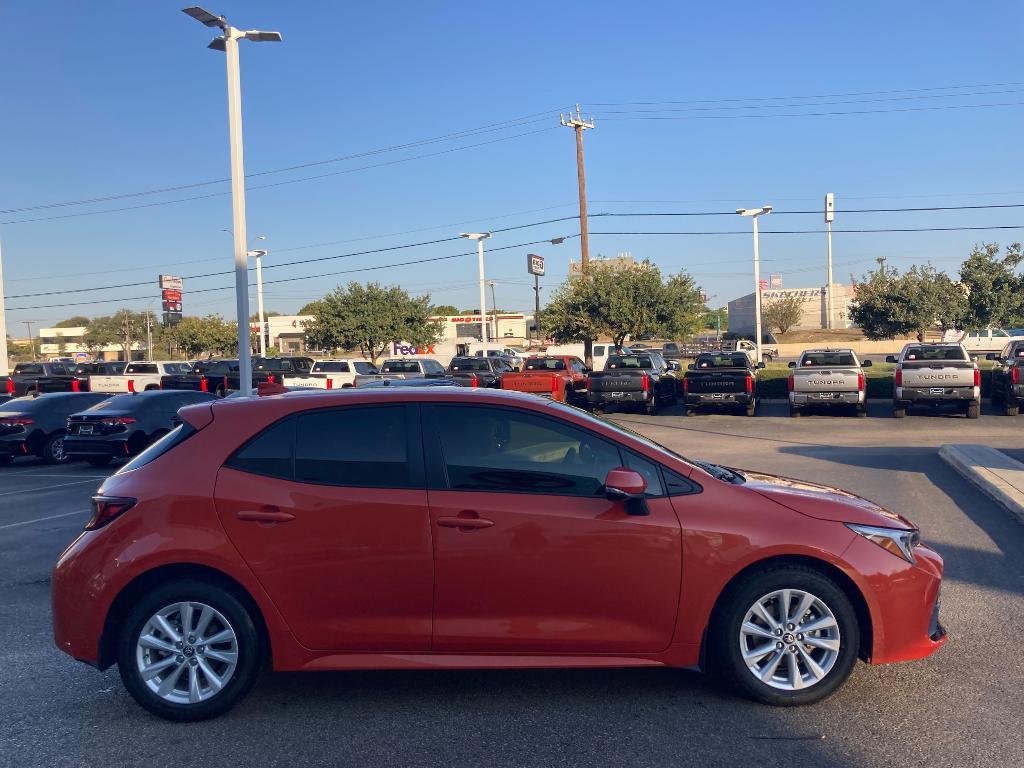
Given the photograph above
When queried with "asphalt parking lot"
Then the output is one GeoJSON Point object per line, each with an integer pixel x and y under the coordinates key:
{"type": "Point", "coordinates": [963, 706]}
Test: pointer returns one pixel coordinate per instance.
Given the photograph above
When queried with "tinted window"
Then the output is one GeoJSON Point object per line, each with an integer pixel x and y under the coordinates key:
{"type": "Point", "coordinates": [469, 364]}
{"type": "Point", "coordinates": [177, 368]}
{"type": "Point", "coordinates": [141, 368]}
{"type": "Point", "coordinates": [722, 361]}
{"type": "Point", "coordinates": [496, 449]}
{"type": "Point", "coordinates": [545, 364]}
{"type": "Point", "coordinates": [354, 447]}
{"type": "Point", "coordinates": [827, 358]}
{"type": "Point", "coordinates": [336, 367]}
{"type": "Point", "coordinates": [677, 485]}
{"type": "Point", "coordinates": [648, 469]}
{"type": "Point", "coordinates": [935, 353]}
{"type": "Point", "coordinates": [269, 453]}
{"type": "Point", "coordinates": [29, 369]}
{"type": "Point", "coordinates": [400, 366]}
{"type": "Point", "coordinates": [629, 361]}
{"type": "Point", "coordinates": [364, 368]}
{"type": "Point", "coordinates": [599, 351]}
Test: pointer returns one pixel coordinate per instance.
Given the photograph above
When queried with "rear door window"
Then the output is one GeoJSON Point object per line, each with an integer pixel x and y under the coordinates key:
{"type": "Point", "coordinates": [270, 453]}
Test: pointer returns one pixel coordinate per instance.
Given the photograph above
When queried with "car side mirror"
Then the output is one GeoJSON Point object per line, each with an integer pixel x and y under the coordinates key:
{"type": "Point", "coordinates": [760, 365]}
{"type": "Point", "coordinates": [890, 358]}
{"type": "Point", "coordinates": [792, 364]}
{"type": "Point", "coordinates": [866, 364]}
{"type": "Point", "coordinates": [627, 485]}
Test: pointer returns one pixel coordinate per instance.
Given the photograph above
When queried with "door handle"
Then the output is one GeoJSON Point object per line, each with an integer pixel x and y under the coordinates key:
{"type": "Point", "coordinates": [465, 521]}
{"type": "Point", "coordinates": [264, 516]}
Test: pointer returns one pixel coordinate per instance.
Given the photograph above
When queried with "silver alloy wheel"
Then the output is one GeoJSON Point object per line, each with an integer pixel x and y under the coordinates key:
{"type": "Point", "coordinates": [57, 449]}
{"type": "Point", "coordinates": [186, 652]}
{"type": "Point", "coordinates": [789, 639]}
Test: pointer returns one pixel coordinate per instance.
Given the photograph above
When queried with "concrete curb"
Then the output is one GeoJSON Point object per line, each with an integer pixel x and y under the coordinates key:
{"type": "Point", "coordinates": [995, 473]}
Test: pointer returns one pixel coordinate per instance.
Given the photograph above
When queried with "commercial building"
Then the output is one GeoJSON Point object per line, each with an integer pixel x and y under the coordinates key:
{"type": "Point", "coordinates": [618, 263]}
{"type": "Point", "coordinates": [508, 328]}
{"type": "Point", "coordinates": [285, 333]}
{"type": "Point", "coordinates": [52, 343]}
{"type": "Point", "coordinates": [814, 305]}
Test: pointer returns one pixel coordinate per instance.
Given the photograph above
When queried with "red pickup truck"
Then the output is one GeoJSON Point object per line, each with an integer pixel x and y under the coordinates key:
{"type": "Point", "coordinates": [560, 377]}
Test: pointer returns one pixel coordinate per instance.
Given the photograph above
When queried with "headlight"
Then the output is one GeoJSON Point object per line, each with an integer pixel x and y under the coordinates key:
{"type": "Point", "coordinates": [896, 540]}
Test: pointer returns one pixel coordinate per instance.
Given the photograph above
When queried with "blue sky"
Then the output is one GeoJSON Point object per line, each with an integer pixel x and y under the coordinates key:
{"type": "Point", "coordinates": [108, 98]}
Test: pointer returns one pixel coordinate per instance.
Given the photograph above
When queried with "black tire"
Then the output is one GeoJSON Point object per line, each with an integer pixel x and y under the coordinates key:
{"type": "Point", "coordinates": [862, 411]}
{"type": "Point", "coordinates": [794, 412]}
{"type": "Point", "coordinates": [1012, 409]}
{"type": "Point", "coordinates": [726, 654]}
{"type": "Point", "coordinates": [52, 451]}
{"type": "Point", "coordinates": [99, 461]}
{"type": "Point", "coordinates": [973, 410]}
{"type": "Point", "coordinates": [691, 411]}
{"type": "Point", "coordinates": [899, 413]}
{"type": "Point", "coordinates": [751, 409]}
{"type": "Point", "coordinates": [249, 651]}
{"type": "Point", "coordinates": [653, 404]}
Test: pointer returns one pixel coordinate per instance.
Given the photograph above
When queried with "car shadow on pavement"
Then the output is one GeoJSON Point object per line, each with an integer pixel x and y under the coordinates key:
{"type": "Point", "coordinates": [1003, 571]}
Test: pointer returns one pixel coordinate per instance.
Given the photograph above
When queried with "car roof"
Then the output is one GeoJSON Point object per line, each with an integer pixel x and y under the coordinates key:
{"type": "Point", "coordinates": [818, 350]}
{"type": "Point", "coordinates": [302, 398]}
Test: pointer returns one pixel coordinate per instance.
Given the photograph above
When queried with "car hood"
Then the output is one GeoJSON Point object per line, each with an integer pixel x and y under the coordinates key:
{"type": "Point", "coordinates": [823, 502]}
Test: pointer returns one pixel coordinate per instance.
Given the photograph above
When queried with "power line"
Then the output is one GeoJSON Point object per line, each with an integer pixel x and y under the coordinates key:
{"type": "Point", "coordinates": [813, 114]}
{"type": "Point", "coordinates": [819, 231]}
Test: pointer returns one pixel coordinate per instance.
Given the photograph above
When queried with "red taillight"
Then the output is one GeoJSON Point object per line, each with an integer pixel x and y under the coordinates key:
{"type": "Point", "coordinates": [226, 383]}
{"type": "Point", "coordinates": [750, 384]}
{"type": "Point", "coordinates": [330, 383]}
{"type": "Point", "coordinates": [131, 385]}
{"type": "Point", "coordinates": [476, 381]}
{"type": "Point", "coordinates": [106, 508]}
{"type": "Point", "coordinates": [686, 385]}
{"type": "Point", "coordinates": [114, 421]}
{"type": "Point", "coordinates": [203, 386]}
{"type": "Point", "coordinates": [10, 387]}
{"type": "Point", "coordinates": [14, 422]}
{"type": "Point", "coordinates": [588, 383]}
{"type": "Point", "coordinates": [860, 382]}
{"type": "Point", "coordinates": [899, 377]}
{"type": "Point", "coordinates": [76, 385]}
{"type": "Point", "coordinates": [790, 384]}
{"type": "Point", "coordinates": [554, 385]}
{"type": "Point", "coordinates": [1015, 376]}
{"type": "Point", "coordinates": [645, 383]}
{"type": "Point", "coordinates": [977, 377]}
{"type": "Point", "coordinates": [270, 379]}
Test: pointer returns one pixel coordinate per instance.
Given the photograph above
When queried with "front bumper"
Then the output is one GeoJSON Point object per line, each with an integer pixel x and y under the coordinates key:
{"type": "Point", "coordinates": [826, 398]}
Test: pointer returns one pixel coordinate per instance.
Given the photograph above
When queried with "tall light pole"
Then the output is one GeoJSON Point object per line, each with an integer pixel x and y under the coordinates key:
{"type": "Point", "coordinates": [480, 237]}
{"type": "Point", "coordinates": [228, 42]}
{"type": "Point", "coordinates": [830, 213]}
{"type": "Point", "coordinates": [754, 213]}
{"type": "Point", "coordinates": [259, 254]}
{"type": "Point", "coordinates": [3, 320]}
{"type": "Point", "coordinates": [494, 310]}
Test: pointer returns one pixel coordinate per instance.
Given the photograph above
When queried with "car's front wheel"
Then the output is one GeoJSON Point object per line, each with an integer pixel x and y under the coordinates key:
{"type": "Point", "coordinates": [188, 651]}
{"type": "Point", "coordinates": [786, 636]}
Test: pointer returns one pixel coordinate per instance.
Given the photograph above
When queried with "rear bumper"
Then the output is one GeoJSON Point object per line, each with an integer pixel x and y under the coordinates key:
{"type": "Point", "coordinates": [937, 394]}
{"type": "Point", "coordinates": [719, 398]}
{"type": "Point", "coordinates": [13, 446]}
{"type": "Point", "coordinates": [826, 398]}
{"type": "Point", "coordinates": [93, 446]}
{"type": "Point", "coordinates": [618, 397]}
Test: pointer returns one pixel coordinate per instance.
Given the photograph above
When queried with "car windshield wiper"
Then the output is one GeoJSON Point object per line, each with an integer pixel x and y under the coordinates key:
{"type": "Point", "coordinates": [721, 473]}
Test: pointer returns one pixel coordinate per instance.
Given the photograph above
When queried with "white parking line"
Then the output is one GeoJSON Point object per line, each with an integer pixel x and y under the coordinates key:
{"type": "Point", "coordinates": [48, 487]}
{"type": "Point", "coordinates": [43, 519]}
{"type": "Point", "coordinates": [47, 474]}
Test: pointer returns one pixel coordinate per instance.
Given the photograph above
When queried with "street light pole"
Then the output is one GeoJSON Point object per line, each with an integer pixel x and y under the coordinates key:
{"type": "Point", "coordinates": [494, 311]}
{"type": "Point", "coordinates": [228, 42]}
{"type": "Point", "coordinates": [3, 320]}
{"type": "Point", "coordinates": [754, 213]}
{"type": "Point", "coordinates": [480, 237]}
{"type": "Point", "coordinates": [829, 215]}
{"type": "Point", "coordinates": [259, 298]}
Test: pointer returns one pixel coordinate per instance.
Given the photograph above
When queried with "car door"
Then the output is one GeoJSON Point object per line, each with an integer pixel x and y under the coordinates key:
{"type": "Point", "coordinates": [529, 555]}
{"type": "Point", "coordinates": [329, 509]}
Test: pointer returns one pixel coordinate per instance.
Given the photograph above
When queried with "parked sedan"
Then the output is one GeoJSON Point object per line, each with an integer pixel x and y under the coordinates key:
{"type": "Point", "coordinates": [35, 426]}
{"type": "Point", "coordinates": [475, 529]}
{"type": "Point", "coordinates": [125, 424]}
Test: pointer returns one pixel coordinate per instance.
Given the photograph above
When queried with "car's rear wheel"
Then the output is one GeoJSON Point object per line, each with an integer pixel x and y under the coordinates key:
{"type": "Point", "coordinates": [794, 412]}
{"type": "Point", "coordinates": [751, 408]}
{"type": "Point", "coordinates": [52, 451]}
{"type": "Point", "coordinates": [653, 404]}
{"type": "Point", "coordinates": [862, 411]}
{"type": "Point", "coordinates": [973, 410]}
{"type": "Point", "coordinates": [899, 413]}
{"type": "Point", "coordinates": [785, 636]}
{"type": "Point", "coordinates": [188, 651]}
{"type": "Point", "coordinates": [1012, 409]}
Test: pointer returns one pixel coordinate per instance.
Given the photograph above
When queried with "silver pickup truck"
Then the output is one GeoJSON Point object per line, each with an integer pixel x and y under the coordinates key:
{"type": "Point", "coordinates": [827, 378]}
{"type": "Point", "coordinates": [404, 368]}
{"type": "Point", "coordinates": [933, 374]}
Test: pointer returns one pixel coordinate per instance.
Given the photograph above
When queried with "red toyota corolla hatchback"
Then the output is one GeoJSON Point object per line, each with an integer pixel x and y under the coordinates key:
{"type": "Point", "coordinates": [449, 527]}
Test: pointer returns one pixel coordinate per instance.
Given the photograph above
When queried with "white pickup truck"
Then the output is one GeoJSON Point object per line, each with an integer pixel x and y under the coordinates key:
{"type": "Point", "coordinates": [827, 377]}
{"type": "Point", "coordinates": [933, 374]}
{"type": "Point", "coordinates": [139, 377]}
{"type": "Point", "coordinates": [405, 368]}
{"type": "Point", "coordinates": [331, 374]}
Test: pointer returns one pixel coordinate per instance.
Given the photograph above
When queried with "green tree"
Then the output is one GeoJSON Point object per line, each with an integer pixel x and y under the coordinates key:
{"type": "Point", "coordinates": [890, 304]}
{"type": "Point", "coordinates": [995, 292]}
{"type": "Point", "coordinates": [369, 318]}
{"type": "Point", "coordinates": [782, 313]}
{"type": "Point", "coordinates": [255, 317]}
{"type": "Point", "coordinates": [78, 321]}
{"type": "Point", "coordinates": [445, 310]}
{"type": "Point", "coordinates": [624, 302]}
{"type": "Point", "coordinates": [310, 308]}
{"type": "Point", "coordinates": [199, 336]}
{"type": "Point", "coordinates": [101, 332]}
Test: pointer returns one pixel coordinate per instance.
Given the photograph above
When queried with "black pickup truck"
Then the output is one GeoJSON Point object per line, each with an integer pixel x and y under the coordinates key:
{"type": "Point", "coordinates": [478, 371]}
{"type": "Point", "coordinates": [221, 376]}
{"type": "Point", "coordinates": [644, 379]}
{"type": "Point", "coordinates": [721, 379]}
{"type": "Point", "coordinates": [78, 379]}
{"type": "Point", "coordinates": [1008, 377]}
{"type": "Point", "coordinates": [25, 377]}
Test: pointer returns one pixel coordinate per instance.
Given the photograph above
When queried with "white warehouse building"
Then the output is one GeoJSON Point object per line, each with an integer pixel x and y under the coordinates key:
{"type": "Point", "coordinates": [815, 308]}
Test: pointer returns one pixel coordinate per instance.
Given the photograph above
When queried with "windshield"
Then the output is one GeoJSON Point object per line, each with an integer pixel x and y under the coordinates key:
{"type": "Point", "coordinates": [400, 366]}
{"type": "Point", "coordinates": [469, 364]}
{"type": "Point", "coordinates": [629, 361]}
{"type": "Point", "coordinates": [544, 364]}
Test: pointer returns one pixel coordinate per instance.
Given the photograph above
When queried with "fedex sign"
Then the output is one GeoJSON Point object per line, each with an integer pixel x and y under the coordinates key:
{"type": "Point", "coordinates": [408, 349]}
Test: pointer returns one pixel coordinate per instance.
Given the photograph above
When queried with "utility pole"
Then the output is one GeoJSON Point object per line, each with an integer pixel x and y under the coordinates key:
{"type": "Point", "coordinates": [578, 124]}
{"type": "Point", "coordinates": [126, 335]}
{"type": "Point", "coordinates": [494, 310]}
{"type": "Point", "coordinates": [830, 212]}
{"type": "Point", "coordinates": [3, 322]}
{"type": "Point", "coordinates": [536, 305]}
{"type": "Point", "coordinates": [149, 335]}
{"type": "Point", "coordinates": [31, 340]}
